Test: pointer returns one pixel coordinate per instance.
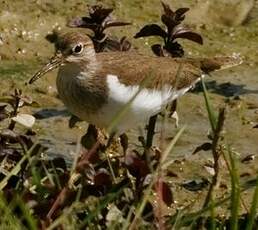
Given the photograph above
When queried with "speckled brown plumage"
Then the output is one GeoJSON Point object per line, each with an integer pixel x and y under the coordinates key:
{"type": "Point", "coordinates": [132, 68]}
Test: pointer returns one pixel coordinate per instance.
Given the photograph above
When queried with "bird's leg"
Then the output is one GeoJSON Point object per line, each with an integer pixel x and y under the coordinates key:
{"type": "Point", "coordinates": [172, 111]}
{"type": "Point", "coordinates": [124, 142]}
{"type": "Point", "coordinates": [152, 124]}
{"type": "Point", "coordinates": [92, 143]}
{"type": "Point", "coordinates": [150, 132]}
{"type": "Point", "coordinates": [90, 138]}
{"type": "Point", "coordinates": [172, 108]}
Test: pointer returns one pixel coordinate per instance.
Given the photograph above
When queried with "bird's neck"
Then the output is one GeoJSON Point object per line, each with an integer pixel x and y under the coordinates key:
{"type": "Point", "coordinates": [79, 87]}
{"type": "Point", "coordinates": [90, 67]}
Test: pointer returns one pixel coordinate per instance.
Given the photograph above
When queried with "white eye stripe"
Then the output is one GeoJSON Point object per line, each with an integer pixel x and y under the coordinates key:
{"type": "Point", "coordinates": [88, 44]}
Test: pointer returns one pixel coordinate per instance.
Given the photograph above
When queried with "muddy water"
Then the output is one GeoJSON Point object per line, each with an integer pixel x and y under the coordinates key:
{"type": "Point", "coordinates": [23, 48]}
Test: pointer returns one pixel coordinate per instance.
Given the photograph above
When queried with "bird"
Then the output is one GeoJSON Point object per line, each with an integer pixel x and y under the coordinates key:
{"type": "Point", "coordinates": [97, 86]}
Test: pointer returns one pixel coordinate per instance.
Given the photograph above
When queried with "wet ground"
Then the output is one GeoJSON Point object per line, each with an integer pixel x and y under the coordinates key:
{"type": "Point", "coordinates": [23, 48]}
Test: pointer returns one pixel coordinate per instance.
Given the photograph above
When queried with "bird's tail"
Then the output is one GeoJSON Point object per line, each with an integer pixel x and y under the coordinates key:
{"type": "Point", "coordinates": [208, 65]}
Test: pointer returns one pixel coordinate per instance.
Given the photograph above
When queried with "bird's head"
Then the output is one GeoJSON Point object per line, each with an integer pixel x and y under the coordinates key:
{"type": "Point", "coordinates": [72, 47]}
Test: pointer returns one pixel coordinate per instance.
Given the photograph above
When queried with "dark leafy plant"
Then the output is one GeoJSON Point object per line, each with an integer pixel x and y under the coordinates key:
{"type": "Point", "coordinates": [50, 185]}
{"type": "Point", "coordinates": [14, 143]}
{"type": "Point", "coordinates": [98, 21]}
{"type": "Point", "coordinates": [17, 100]}
{"type": "Point", "coordinates": [174, 30]}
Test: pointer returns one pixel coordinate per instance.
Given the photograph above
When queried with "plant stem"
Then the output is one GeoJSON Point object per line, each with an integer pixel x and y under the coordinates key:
{"type": "Point", "coordinates": [216, 155]}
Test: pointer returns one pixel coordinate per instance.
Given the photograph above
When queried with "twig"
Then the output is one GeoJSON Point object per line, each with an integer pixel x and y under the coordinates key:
{"type": "Point", "coordinates": [158, 210]}
{"type": "Point", "coordinates": [16, 96]}
{"type": "Point", "coordinates": [87, 155]}
{"type": "Point", "coordinates": [61, 198]}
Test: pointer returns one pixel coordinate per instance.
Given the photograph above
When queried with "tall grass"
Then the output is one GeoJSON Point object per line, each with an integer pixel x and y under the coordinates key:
{"type": "Point", "coordinates": [253, 210]}
{"type": "Point", "coordinates": [183, 218]}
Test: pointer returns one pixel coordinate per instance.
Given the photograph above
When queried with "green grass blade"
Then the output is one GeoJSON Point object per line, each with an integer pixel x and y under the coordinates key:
{"type": "Point", "coordinates": [26, 215]}
{"type": "Point", "coordinates": [252, 212]}
{"type": "Point", "coordinates": [235, 192]}
{"type": "Point", "coordinates": [76, 155]}
{"type": "Point", "coordinates": [8, 220]}
{"type": "Point", "coordinates": [211, 113]}
{"type": "Point", "coordinates": [177, 223]}
{"type": "Point", "coordinates": [163, 165]}
{"type": "Point", "coordinates": [190, 217]}
{"type": "Point", "coordinates": [103, 203]}
{"type": "Point", "coordinates": [56, 177]}
{"type": "Point", "coordinates": [15, 170]}
{"type": "Point", "coordinates": [93, 214]}
{"type": "Point", "coordinates": [213, 215]}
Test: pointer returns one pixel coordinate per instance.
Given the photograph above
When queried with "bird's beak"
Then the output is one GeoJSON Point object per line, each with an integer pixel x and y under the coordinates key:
{"type": "Point", "coordinates": [54, 63]}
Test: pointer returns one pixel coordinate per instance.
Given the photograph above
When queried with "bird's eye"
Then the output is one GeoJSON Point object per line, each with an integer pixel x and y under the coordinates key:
{"type": "Point", "coordinates": [77, 49]}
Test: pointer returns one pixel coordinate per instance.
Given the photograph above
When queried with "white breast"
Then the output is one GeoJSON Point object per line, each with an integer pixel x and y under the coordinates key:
{"type": "Point", "coordinates": [145, 103]}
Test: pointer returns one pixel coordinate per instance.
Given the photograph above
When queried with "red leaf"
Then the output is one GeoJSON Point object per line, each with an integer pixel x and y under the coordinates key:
{"type": "Point", "coordinates": [98, 13]}
{"type": "Point", "coordinates": [102, 177]}
{"type": "Point", "coordinates": [136, 166]}
{"type": "Point", "coordinates": [167, 9]}
{"type": "Point", "coordinates": [115, 24]}
{"type": "Point", "coordinates": [151, 30]}
{"type": "Point", "coordinates": [169, 21]}
{"type": "Point", "coordinates": [183, 32]}
{"type": "Point", "coordinates": [88, 20]}
{"type": "Point", "coordinates": [169, 18]}
{"type": "Point", "coordinates": [164, 192]}
{"type": "Point", "coordinates": [180, 14]}
{"type": "Point", "coordinates": [83, 22]}
{"type": "Point", "coordinates": [181, 11]}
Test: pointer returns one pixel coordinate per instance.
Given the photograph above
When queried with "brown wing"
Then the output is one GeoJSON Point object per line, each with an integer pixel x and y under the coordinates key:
{"type": "Point", "coordinates": [133, 68]}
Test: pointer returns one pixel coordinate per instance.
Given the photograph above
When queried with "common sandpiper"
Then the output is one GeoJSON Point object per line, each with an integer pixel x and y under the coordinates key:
{"type": "Point", "coordinates": [97, 86]}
